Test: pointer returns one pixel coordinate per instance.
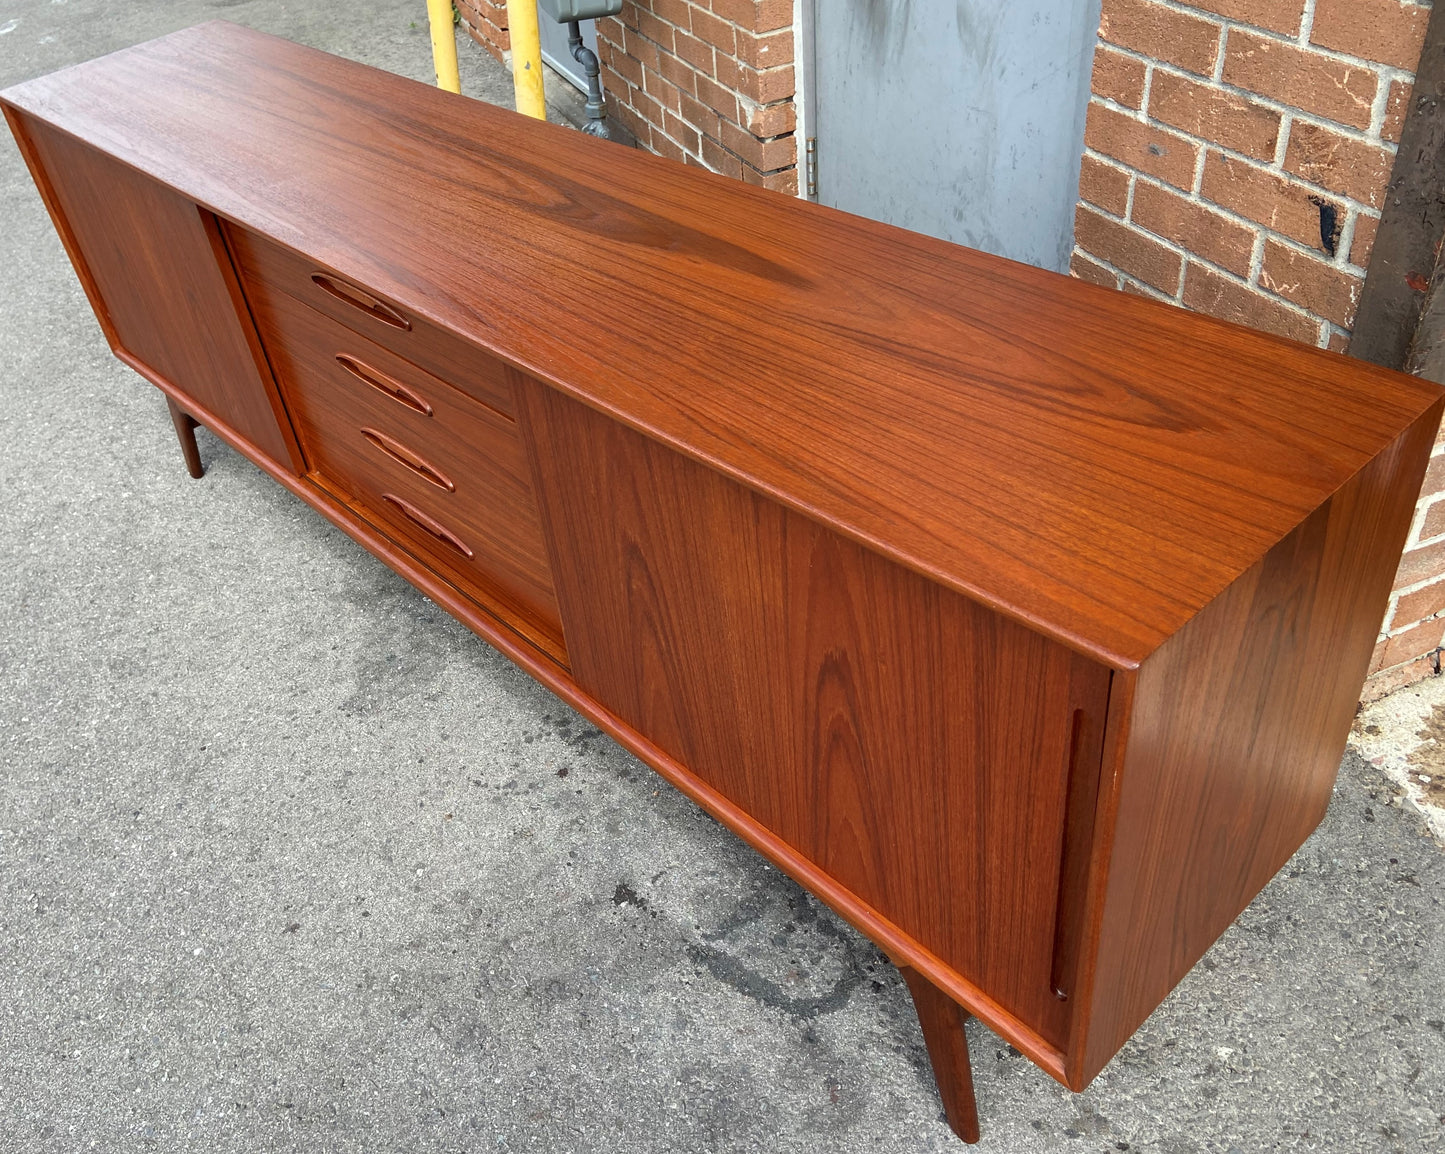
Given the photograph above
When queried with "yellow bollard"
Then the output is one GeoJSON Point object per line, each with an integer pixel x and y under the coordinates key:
{"type": "Point", "coordinates": [443, 44]}
{"type": "Point", "coordinates": [526, 58]}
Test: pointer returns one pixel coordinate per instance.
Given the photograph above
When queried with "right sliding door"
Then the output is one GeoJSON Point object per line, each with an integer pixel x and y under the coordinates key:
{"type": "Point", "coordinates": [918, 748]}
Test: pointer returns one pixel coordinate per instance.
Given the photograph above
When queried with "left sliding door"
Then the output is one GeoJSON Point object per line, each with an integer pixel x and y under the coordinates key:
{"type": "Point", "coordinates": [160, 281]}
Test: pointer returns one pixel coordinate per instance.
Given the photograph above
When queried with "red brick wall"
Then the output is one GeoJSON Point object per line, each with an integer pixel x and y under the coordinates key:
{"type": "Point", "coordinates": [1237, 153]}
{"type": "Point", "coordinates": [486, 20]}
{"type": "Point", "coordinates": [709, 82]}
{"type": "Point", "coordinates": [1413, 630]}
{"type": "Point", "coordinates": [1236, 158]}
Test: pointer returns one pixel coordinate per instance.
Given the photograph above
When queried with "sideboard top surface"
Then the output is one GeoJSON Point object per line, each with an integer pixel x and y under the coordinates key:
{"type": "Point", "coordinates": [1096, 465]}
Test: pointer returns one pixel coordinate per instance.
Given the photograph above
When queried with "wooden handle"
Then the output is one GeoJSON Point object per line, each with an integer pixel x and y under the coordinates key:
{"type": "Point", "coordinates": [435, 528]}
{"type": "Point", "coordinates": [360, 299]}
{"type": "Point", "coordinates": [1078, 838]}
{"type": "Point", "coordinates": [410, 459]}
{"type": "Point", "coordinates": [383, 383]}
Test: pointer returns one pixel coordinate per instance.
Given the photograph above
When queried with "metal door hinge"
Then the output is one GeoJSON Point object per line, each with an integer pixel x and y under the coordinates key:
{"type": "Point", "coordinates": [810, 168]}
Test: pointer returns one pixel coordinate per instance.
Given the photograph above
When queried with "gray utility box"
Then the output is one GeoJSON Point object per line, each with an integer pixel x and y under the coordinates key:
{"type": "Point", "coordinates": [565, 11]}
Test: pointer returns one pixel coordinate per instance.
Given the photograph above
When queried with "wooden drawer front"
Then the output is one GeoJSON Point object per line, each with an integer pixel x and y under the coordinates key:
{"type": "Point", "coordinates": [443, 474]}
{"type": "Point", "coordinates": [266, 269]}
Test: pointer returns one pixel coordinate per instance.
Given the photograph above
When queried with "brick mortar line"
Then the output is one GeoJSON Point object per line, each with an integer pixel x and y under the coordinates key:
{"type": "Point", "coordinates": [1429, 542]}
{"type": "Point", "coordinates": [1184, 8]}
{"type": "Point", "coordinates": [1390, 628]}
{"type": "Point", "coordinates": [1307, 23]}
{"type": "Point", "coordinates": [1230, 23]}
{"type": "Point", "coordinates": [1196, 185]}
{"type": "Point", "coordinates": [1334, 262]}
{"type": "Point", "coordinates": [673, 55]}
{"type": "Point", "coordinates": [1197, 259]}
{"type": "Point", "coordinates": [1281, 144]}
{"type": "Point", "coordinates": [1288, 116]}
{"type": "Point", "coordinates": [1381, 673]}
{"type": "Point", "coordinates": [1189, 255]}
{"type": "Point", "coordinates": [737, 96]}
{"type": "Point", "coordinates": [702, 161]}
{"type": "Point", "coordinates": [1346, 244]}
{"type": "Point", "coordinates": [1098, 260]}
{"type": "Point", "coordinates": [1381, 108]}
{"type": "Point", "coordinates": [751, 103]}
{"type": "Point", "coordinates": [1256, 256]}
{"type": "Point", "coordinates": [688, 32]}
{"type": "Point", "coordinates": [704, 136]}
{"type": "Point", "coordinates": [1386, 75]}
{"type": "Point", "coordinates": [1360, 135]}
{"type": "Point", "coordinates": [1356, 207]}
{"type": "Point", "coordinates": [1148, 290]}
{"type": "Point", "coordinates": [1425, 582]}
{"type": "Point", "coordinates": [733, 24]}
{"type": "Point", "coordinates": [1383, 637]}
{"type": "Point", "coordinates": [1145, 289]}
{"type": "Point", "coordinates": [1417, 522]}
{"type": "Point", "coordinates": [1422, 509]}
{"type": "Point", "coordinates": [1339, 261]}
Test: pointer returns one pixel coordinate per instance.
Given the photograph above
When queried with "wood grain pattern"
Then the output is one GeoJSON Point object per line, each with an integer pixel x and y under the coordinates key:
{"type": "Point", "coordinates": [489, 509]}
{"type": "Point", "coordinates": [915, 746]}
{"type": "Point", "coordinates": [185, 426]}
{"type": "Point", "coordinates": [882, 382]}
{"type": "Point", "coordinates": [1235, 739]}
{"type": "Point", "coordinates": [942, 1021]}
{"type": "Point", "coordinates": [153, 260]}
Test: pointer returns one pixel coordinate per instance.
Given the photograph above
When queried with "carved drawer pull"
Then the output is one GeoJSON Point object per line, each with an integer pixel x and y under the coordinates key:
{"type": "Point", "coordinates": [435, 528]}
{"type": "Point", "coordinates": [361, 299]}
{"type": "Point", "coordinates": [383, 383]}
{"type": "Point", "coordinates": [406, 457]}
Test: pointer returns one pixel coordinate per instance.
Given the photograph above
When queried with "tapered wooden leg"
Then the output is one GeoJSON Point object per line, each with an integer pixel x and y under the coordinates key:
{"type": "Point", "coordinates": [186, 430]}
{"type": "Point", "coordinates": [942, 1020]}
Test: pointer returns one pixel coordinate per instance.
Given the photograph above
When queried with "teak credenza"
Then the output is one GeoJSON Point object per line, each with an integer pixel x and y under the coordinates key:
{"type": "Point", "coordinates": [1020, 620]}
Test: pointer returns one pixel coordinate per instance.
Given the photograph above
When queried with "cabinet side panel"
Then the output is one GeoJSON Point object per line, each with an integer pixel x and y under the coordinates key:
{"type": "Point", "coordinates": [158, 273]}
{"type": "Point", "coordinates": [913, 745]}
{"type": "Point", "coordinates": [1238, 726]}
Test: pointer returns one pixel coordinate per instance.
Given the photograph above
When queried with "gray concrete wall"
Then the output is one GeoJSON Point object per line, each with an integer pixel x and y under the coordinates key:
{"type": "Point", "coordinates": [963, 119]}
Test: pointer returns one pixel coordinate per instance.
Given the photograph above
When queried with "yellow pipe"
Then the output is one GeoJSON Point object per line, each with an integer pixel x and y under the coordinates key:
{"type": "Point", "coordinates": [526, 58]}
{"type": "Point", "coordinates": [443, 44]}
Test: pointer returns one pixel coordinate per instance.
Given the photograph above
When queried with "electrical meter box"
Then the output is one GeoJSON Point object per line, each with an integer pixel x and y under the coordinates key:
{"type": "Point", "coordinates": [565, 11]}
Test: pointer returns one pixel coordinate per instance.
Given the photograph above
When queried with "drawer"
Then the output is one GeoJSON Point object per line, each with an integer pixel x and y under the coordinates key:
{"type": "Point", "coordinates": [442, 474]}
{"type": "Point", "coordinates": [267, 269]}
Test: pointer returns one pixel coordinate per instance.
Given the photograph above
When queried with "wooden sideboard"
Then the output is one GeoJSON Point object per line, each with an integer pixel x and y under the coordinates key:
{"type": "Point", "coordinates": [1021, 621]}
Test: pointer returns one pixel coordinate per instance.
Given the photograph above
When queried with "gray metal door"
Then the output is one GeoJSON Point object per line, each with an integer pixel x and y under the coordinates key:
{"type": "Point", "coordinates": [554, 46]}
{"type": "Point", "coordinates": [963, 119]}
